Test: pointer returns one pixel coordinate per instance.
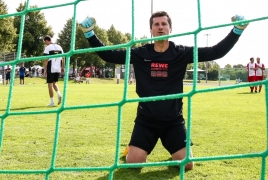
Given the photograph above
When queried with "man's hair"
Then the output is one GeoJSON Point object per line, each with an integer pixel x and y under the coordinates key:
{"type": "Point", "coordinates": [251, 58]}
{"type": "Point", "coordinates": [160, 14]}
{"type": "Point", "coordinates": [47, 38]}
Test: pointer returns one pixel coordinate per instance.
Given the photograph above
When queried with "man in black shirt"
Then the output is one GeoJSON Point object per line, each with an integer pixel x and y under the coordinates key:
{"type": "Point", "coordinates": [8, 70]}
{"type": "Point", "coordinates": [159, 70]}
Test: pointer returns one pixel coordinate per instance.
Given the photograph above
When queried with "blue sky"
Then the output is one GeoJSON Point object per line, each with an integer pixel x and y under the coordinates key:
{"type": "Point", "coordinates": [252, 43]}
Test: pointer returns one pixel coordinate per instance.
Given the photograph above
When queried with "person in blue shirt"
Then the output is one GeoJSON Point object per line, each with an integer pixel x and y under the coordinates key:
{"type": "Point", "coordinates": [22, 74]}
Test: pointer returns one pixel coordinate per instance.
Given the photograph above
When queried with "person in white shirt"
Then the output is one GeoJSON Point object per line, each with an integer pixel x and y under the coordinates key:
{"type": "Point", "coordinates": [259, 72]}
{"type": "Point", "coordinates": [52, 68]}
{"type": "Point", "coordinates": [130, 79]}
{"type": "Point", "coordinates": [252, 67]}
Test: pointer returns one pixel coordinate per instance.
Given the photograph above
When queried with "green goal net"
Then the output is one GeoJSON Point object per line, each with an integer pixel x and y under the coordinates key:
{"type": "Point", "coordinates": [57, 113]}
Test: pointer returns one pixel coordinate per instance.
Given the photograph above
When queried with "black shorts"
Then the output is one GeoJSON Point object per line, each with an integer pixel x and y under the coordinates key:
{"type": "Point", "coordinates": [172, 137]}
{"type": "Point", "coordinates": [7, 77]}
{"type": "Point", "coordinates": [52, 77]}
{"type": "Point", "coordinates": [22, 77]}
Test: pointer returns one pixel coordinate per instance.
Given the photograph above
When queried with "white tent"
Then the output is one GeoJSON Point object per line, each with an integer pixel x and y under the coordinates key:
{"type": "Point", "coordinates": [5, 67]}
{"type": "Point", "coordinates": [198, 70]}
{"type": "Point", "coordinates": [37, 66]}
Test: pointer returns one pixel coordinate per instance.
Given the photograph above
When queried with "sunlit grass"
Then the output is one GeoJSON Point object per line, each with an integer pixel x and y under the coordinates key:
{"type": "Point", "coordinates": [223, 123]}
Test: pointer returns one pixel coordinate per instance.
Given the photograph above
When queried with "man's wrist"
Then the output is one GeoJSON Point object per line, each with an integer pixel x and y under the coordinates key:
{"type": "Point", "coordinates": [237, 31]}
{"type": "Point", "coordinates": [89, 34]}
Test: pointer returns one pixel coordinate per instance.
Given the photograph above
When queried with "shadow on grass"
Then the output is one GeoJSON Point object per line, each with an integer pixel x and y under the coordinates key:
{"type": "Point", "coordinates": [149, 172]}
{"type": "Point", "coordinates": [133, 173]}
{"type": "Point", "coordinates": [29, 107]}
{"type": "Point", "coordinates": [247, 93]}
{"type": "Point", "coordinates": [110, 79]}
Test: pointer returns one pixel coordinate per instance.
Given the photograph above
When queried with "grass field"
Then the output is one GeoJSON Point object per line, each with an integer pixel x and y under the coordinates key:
{"type": "Point", "coordinates": [225, 124]}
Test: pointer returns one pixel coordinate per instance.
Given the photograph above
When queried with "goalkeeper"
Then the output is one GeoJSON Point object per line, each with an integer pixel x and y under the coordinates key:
{"type": "Point", "coordinates": [159, 70]}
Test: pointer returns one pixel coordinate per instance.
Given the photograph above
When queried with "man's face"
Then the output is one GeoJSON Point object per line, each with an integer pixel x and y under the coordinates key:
{"type": "Point", "coordinates": [160, 26]}
{"type": "Point", "coordinates": [252, 60]}
{"type": "Point", "coordinates": [46, 42]}
{"type": "Point", "coordinates": [258, 60]}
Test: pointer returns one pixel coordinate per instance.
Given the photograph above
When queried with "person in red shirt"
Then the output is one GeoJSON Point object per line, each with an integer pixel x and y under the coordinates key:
{"type": "Point", "coordinates": [251, 68]}
{"type": "Point", "coordinates": [87, 75]}
{"type": "Point", "coordinates": [259, 73]}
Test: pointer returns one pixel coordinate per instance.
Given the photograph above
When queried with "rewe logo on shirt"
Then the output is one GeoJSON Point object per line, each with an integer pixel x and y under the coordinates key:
{"type": "Point", "coordinates": [159, 70]}
{"type": "Point", "coordinates": [159, 65]}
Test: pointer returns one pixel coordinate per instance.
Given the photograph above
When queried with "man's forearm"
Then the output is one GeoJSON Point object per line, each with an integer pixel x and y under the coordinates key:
{"type": "Point", "coordinates": [63, 62]}
{"type": "Point", "coordinates": [113, 56]}
{"type": "Point", "coordinates": [45, 64]}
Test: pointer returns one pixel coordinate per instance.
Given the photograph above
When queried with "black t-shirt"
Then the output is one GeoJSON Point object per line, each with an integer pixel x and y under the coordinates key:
{"type": "Point", "coordinates": [162, 74]}
{"type": "Point", "coordinates": [8, 71]}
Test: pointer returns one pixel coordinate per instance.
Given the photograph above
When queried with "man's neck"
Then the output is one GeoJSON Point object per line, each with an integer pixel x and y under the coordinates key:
{"type": "Point", "coordinates": [161, 46]}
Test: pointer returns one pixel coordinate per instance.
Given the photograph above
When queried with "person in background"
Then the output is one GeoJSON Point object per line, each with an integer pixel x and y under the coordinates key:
{"type": "Point", "coordinates": [30, 72]}
{"type": "Point", "coordinates": [52, 68]}
{"type": "Point", "coordinates": [33, 71]}
{"type": "Point", "coordinates": [77, 78]}
{"type": "Point", "coordinates": [259, 72]}
{"type": "Point", "coordinates": [130, 79]}
{"type": "Point", "coordinates": [251, 68]}
{"type": "Point", "coordinates": [8, 70]}
{"type": "Point", "coordinates": [87, 75]}
{"type": "Point", "coordinates": [22, 74]}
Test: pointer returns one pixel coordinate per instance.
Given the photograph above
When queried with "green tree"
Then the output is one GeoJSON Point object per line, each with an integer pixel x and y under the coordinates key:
{"type": "Point", "coordinates": [65, 41]}
{"type": "Point", "coordinates": [143, 43]}
{"type": "Point", "coordinates": [84, 59]}
{"type": "Point", "coordinates": [7, 31]}
{"type": "Point", "coordinates": [128, 36]}
{"type": "Point", "coordinates": [242, 74]}
{"type": "Point", "coordinates": [213, 72]}
{"type": "Point", "coordinates": [35, 29]}
{"type": "Point", "coordinates": [239, 66]}
{"type": "Point", "coordinates": [228, 66]}
{"type": "Point", "coordinates": [116, 37]}
{"type": "Point", "coordinates": [103, 36]}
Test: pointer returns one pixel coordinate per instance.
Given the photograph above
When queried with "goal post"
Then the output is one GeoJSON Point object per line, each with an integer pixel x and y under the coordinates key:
{"type": "Point", "coordinates": [229, 76]}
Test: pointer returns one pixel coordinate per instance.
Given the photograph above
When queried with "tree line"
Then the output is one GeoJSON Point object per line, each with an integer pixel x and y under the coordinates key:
{"type": "Point", "coordinates": [36, 27]}
{"type": "Point", "coordinates": [229, 72]}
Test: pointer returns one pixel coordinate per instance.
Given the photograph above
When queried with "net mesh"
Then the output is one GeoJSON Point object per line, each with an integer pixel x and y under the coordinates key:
{"type": "Point", "coordinates": [119, 104]}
